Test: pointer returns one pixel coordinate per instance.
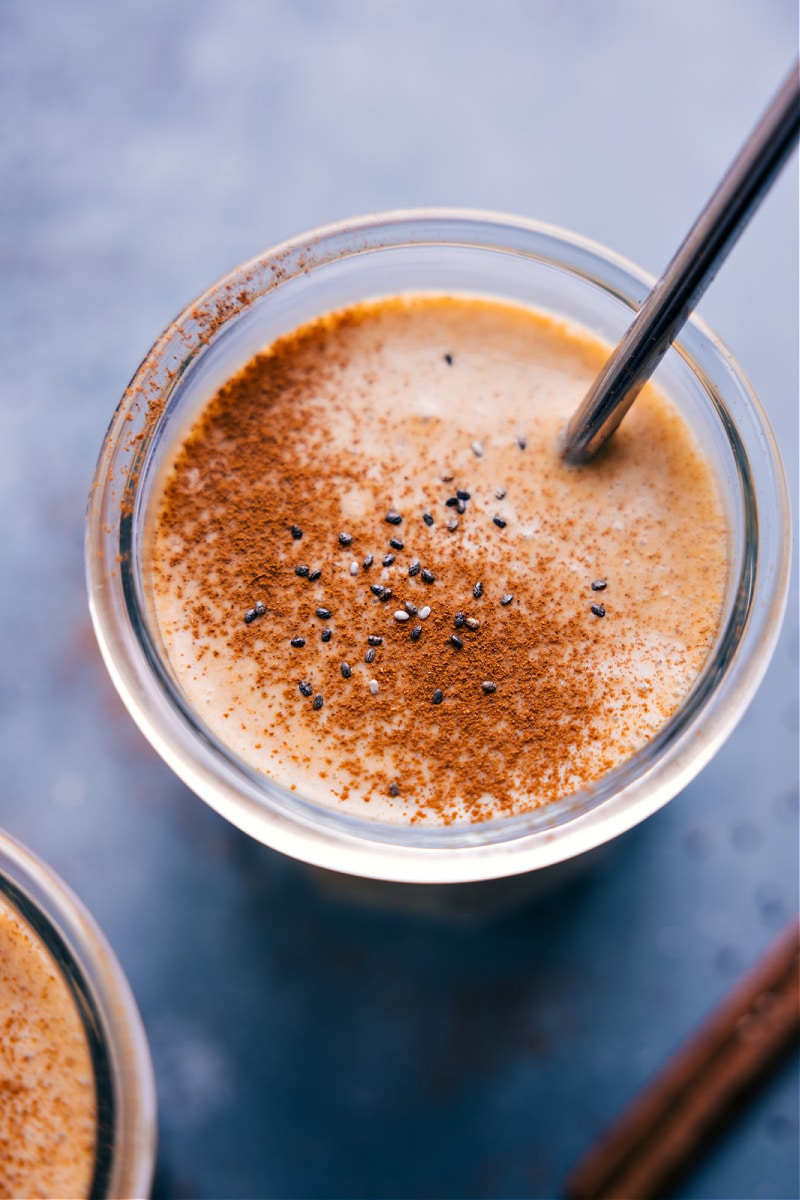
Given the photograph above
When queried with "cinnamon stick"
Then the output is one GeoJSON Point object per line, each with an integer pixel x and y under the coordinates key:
{"type": "Point", "coordinates": [674, 1117]}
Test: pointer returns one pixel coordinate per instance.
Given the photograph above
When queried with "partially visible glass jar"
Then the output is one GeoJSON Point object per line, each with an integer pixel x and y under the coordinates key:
{"type": "Point", "coordinates": [51, 947]}
{"type": "Point", "coordinates": [443, 252]}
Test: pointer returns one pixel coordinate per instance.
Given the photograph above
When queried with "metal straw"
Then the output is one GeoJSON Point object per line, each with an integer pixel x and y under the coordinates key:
{"type": "Point", "coordinates": [688, 275]}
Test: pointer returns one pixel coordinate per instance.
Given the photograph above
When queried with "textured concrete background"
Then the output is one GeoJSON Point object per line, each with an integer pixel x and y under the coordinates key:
{"type": "Point", "coordinates": [305, 1043]}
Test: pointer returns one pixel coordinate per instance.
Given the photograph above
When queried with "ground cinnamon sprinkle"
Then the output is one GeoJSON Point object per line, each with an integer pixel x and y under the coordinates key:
{"type": "Point", "coordinates": [47, 1088]}
{"type": "Point", "coordinates": [503, 696]}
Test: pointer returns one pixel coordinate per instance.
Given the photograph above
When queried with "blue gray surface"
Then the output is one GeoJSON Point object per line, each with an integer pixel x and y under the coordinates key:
{"type": "Point", "coordinates": [311, 1038]}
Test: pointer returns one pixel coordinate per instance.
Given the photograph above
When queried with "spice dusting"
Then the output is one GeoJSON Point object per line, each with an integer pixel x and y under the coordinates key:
{"type": "Point", "coordinates": [48, 1106]}
{"type": "Point", "coordinates": [346, 437]}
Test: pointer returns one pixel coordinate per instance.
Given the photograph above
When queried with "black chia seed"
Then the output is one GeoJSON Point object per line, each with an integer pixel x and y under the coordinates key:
{"type": "Point", "coordinates": [369, 657]}
{"type": "Point", "coordinates": [305, 687]}
{"type": "Point", "coordinates": [452, 502]}
{"type": "Point", "coordinates": [374, 640]}
{"type": "Point", "coordinates": [346, 670]}
{"type": "Point", "coordinates": [368, 561]}
{"type": "Point", "coordinates": [410, 608]}
{"type": "Point", "coordinates": [522, 441]}
{"type": "Point", "coordinates": [394, 518]}
{"type": "Point", "coordinates": [416, 633]}
{"type": "Point", "coordinates": [599, 585]}
{"type": "Point", "coordinates": [501, 493]}
{"type": "Point", "coordinates": [427, 576]}
{"type": "Point", "coordinates": [313, 576]}
{"type": "Point", "coordinates": [326, 635]}
{"type": "Point", "coordinates": [452, 524]}
{"type": "Point", "coordinates": [414, 568]}
{"type": "Point", "coordinates": [499, 522]}
{"type": "Point", "coordinates": [506, 600]}
{"type": "Point", "coordinates": [437, 697]}
{"type": "Point", "coordinates": [324, 613]}
{"type": "Point", "coordinates": [301, 571]}
{"type": "Point", "coordinates": [250, 616]}
{"type": "Point", "coordinates": [298, 643]}
{"type": "Point", "coordinates": [396, 544]}
{"type": "Point", "coordinates": [260, 608]}
{"type": "Point", "coordinates": [448, 358]}
{"type": "Point", "coordinates": [377, 589]}
{"type": "Point", "coordinates": [461, 506]}
{"type": "Point", "coordinates": [427, 518]}
{"type": "Point", "coordinates": [345, 539]}
{"type": "Point", "coordinates": [461, 495]}
{"type": "Point", "coordinates": [317, 702]}
{"type": "Point", "coordinates": [394, 789]}
{"type": "Point", "coordinates": [297, 532]}
{"type": "Point", "coordinates": [385, 595]}
{"type": "Point", "coordinates": [477, 591]}
{"type": "Point", "coordinates": [458, 620]}
{"type": "Point", "coordinates": [388, 559]}
{"type": "Point", "coordinates": [456, 641]}
{"type": "Point", "coordinates": [598, 610]}
{"type": "Point", "coordinates": [489, 687]}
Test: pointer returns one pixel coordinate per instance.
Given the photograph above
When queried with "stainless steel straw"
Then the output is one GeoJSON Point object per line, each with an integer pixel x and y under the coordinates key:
{"type": "Point", "coordinates": [688, 275]}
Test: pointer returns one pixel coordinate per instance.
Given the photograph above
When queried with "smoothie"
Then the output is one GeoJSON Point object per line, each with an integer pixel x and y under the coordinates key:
{"type": "Point", "coordinates": [47, 1087]}
{"type": "Point", "coordinates": [375, 581]}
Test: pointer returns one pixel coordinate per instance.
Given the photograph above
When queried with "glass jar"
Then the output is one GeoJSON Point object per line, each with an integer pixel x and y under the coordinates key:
{"type": "Point", "coordinates": [444, 252]}
{"type": "Point", "coordinates": [75, 950]}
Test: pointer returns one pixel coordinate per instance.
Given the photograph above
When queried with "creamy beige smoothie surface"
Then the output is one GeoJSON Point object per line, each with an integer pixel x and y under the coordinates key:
{"type": "Point", "coordinates": [378, 584]}
{"type": "Point", "coordinates": [47, 1088]}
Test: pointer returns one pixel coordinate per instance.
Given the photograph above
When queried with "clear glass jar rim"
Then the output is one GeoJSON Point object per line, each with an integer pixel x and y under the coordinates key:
{"type": "Point", "coordinates": [132, 1160]}
{"type": "Point", "coordinates": [335, 840]}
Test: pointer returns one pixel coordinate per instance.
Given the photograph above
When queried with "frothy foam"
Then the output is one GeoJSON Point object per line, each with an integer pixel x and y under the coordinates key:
{"type": "Point", "coordinates": [47, 1089]}
{"type": "Point", "coordinates": [407, 406]}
